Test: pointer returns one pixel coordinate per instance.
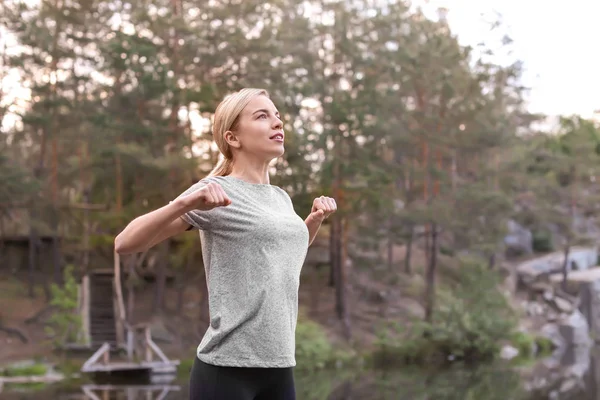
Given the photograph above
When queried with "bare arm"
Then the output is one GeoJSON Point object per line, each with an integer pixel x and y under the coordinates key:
{"type": "Point", "coordinates": [150, 229]}
{"type": "Point", "coordinates": [322, 208]}
{"type": "Point", "coordinates": [313, 225]}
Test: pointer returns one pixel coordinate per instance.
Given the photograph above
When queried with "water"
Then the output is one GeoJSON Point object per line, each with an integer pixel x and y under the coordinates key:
{"type": "Point", "coordinates": [489, 383]}
{"type": "Point", "coordinates": [570, 375]}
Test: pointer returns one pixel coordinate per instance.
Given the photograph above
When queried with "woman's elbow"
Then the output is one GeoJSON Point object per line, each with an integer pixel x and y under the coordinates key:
{"type": "Point", "coordinates": [121, 245]}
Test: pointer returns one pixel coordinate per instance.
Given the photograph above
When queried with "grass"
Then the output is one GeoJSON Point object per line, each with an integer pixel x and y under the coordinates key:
{"type": "Point", "coordinates": [25, 370]}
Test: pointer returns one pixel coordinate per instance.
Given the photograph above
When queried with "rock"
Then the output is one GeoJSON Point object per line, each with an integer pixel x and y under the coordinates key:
{"type": "Point", "coordinates": [541, 287]}
{"type": "Point", "coordinates": [534, 309]}
{"type": "Point", "coordinates": [590, 306]}
{"type": "Point", "coordinates": [518, 241]}
{"type": "Point", "coordinates": [562, 305]}
{"type": "Point", "coordinates": [508, 352]}
{"type": "Point", "coordinates": [569, 386]}
{"type": "Point", "coordinates": [551, 331]}
{"type": "Point", "coordinates": [580, 259]}
{"type": "Point", "coordinates": [413, 307]}
{"type": "Point", "coordinates": [568, 331]}
{"type": "Point", "coordinates": [575, 330]}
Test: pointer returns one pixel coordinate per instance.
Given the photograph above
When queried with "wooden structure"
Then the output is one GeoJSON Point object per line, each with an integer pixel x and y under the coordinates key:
{"type": "Point", "coordinates": [132, 392]}
{"type": "Point", "coordinates": [141, 352]}
{"type": "Point", "coordinates": [105, 326]}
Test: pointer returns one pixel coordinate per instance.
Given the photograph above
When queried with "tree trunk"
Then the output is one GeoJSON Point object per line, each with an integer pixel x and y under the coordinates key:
{"type": "Point", "coordinates": [32, 260]}
{"type": "Point", "coordinates": [85, 257]}
{"type": "Point", "coordinates": [565, 266]}
{"type": "Point", "coordinates": [408, 255]}
{"type": "Point", "coordinates": [430, 277]}
{"type": "Point", "coordinates": [33, 237]}
{"type": "Point", "coordinates": [181, 279]}
{"type": "Point", "coordinates": [129, 287]}
{"type": "Point", "coordinates": [118, 182]}
{"type": "Point", "coordinates": [56, 256]}
{"type": "Point", "coordinates": [160, 277]}
{"type": "Point", "coordinates": [492, 260]}
{"type": "Point", "coordinates": [390, 248]}
{"type": "Point", "coordinates": [336, 268]}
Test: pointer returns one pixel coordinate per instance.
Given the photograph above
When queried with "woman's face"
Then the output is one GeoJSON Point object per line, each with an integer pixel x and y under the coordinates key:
{"type": "Point", "coordinates": [259, 130]}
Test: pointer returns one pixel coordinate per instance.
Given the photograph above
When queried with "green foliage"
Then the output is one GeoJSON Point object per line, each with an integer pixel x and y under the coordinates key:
{"type": "Point", "coordinates": [313, 349]}
{"type": "Point", "coordinates": [544, 346]}
{"type": "Point", "coordinates": [523, 342]}
{"type": "Point", "coordinates": [542, 241]}
{"type": "Point", "coordinates": [469, 322]}
{"type": "Point", "coordinates": [64, 326]}
{"type": "Point", "coordinates": [25, 370]}
{"type": "Point", "coordinates": [185, 366]}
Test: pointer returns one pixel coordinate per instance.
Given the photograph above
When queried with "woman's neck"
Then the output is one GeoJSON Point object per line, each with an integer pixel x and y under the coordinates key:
{"type": "Point", "coordinates": [253, 172]}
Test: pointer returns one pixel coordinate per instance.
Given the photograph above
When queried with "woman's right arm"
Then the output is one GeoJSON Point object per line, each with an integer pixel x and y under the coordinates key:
{"type": "Point", "coordinates": [150, 229]}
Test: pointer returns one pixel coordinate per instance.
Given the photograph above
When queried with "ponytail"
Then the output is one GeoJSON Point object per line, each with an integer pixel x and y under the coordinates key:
{"type": "Point", "coordinates": [223, 168]}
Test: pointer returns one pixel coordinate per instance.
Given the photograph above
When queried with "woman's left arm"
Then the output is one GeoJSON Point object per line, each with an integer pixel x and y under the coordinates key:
{"type": "Point", "coordinates": [322, 208]}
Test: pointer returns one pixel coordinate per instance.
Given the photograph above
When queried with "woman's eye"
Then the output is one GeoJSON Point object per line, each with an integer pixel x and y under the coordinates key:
{"type": "Point", "coordinates": [262, 116]}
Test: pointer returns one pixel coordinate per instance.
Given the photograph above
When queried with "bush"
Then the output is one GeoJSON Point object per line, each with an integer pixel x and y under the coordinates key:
{"type": "Point", "coordinates": [469, 322]}
{"type": "Point", "coordinates": [530, 345]}
{"type": "Point", "coordinates": [313, 349]}
{"type": "Point", "coordinates": [523, 342]}
{"type": "Point", "coordinates": [542, 241]}
{"type": "Point", "coordinates": [65, 325]}
{"type": "Point", "coordinates": [544, 345]}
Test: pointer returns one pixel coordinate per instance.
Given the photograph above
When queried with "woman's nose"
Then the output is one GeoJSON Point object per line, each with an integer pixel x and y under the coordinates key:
{"type": "Point", "coordinates": [278, 124]}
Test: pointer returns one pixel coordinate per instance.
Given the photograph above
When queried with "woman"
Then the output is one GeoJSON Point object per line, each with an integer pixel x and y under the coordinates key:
{"type": "Point", "coordinates": [253, 247]}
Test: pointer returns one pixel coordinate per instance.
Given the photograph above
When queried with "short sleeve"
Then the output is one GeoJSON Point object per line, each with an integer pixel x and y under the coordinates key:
{"type": "Point", "coordinates": [196, 218]}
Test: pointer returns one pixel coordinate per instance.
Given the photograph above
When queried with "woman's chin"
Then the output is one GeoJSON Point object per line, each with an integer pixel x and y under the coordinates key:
{"type": "Point", "coordinates": [278, 153]}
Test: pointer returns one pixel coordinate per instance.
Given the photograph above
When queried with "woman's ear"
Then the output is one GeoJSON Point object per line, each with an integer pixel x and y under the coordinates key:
{"type": "Point", "coordinates": [232, 140]}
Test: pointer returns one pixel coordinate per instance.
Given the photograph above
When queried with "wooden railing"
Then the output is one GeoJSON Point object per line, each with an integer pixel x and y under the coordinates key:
{"type": "Point", "coordinates": [140, 345]}
{"type": "Point", "coordinates": [121, 317]}
{"type": "Point", "coordinates": [103, 351]}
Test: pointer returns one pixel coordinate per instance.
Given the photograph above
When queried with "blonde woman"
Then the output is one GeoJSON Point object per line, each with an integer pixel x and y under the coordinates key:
{"type": "Point", "coordinates": [253, 247]}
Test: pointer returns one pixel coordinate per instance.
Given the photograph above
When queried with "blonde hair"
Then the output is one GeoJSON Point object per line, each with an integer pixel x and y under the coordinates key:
{"type": "Point", "coordinates": [227, 117]}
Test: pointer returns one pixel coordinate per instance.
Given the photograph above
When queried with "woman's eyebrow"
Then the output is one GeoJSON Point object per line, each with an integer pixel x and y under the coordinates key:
{"type": "Point", "coordinates": [265, 111]}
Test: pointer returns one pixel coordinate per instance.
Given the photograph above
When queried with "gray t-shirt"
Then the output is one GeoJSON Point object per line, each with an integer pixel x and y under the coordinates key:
{"type": "Point", "coordinates": [253, 251]}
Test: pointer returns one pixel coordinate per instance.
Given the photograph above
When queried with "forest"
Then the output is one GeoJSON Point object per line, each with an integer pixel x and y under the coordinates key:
{"type": "Point", "coordinates": [426, 144]}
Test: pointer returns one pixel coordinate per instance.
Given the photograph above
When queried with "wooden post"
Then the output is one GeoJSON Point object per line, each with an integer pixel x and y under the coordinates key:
{"type": "Point", "coordinates": [120, 305]}
{"type": "Point", "coordinates": [130, 344]}
{"type": "Point", "coordinates": [147, 339]}
{"type": "Point", "coordinates": [85, 309]}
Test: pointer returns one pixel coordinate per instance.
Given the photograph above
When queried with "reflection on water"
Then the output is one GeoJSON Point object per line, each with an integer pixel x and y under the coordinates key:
{"type": "Point", "coordinates": [456, 384]}
{"type": "Point", "coordinates": [568, 375]}
{"type": "Point", "coordinates": [132, 392]}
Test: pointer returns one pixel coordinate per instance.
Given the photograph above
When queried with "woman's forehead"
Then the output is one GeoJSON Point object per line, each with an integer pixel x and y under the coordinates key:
{"type": "Point", "coordinates": [260, 103]}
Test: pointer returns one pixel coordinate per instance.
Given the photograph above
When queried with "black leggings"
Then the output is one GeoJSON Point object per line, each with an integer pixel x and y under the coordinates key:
{"type": "Point", "coordinates": [211, 382]}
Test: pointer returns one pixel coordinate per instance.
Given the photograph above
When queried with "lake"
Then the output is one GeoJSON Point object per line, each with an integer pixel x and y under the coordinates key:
{"type": "Point", "coordinates": [567, 376]}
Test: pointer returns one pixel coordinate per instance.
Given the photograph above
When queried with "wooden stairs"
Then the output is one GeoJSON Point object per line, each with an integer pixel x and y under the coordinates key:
{"type": "Point", "coordinates": [106, 328]}
{"type": "Point", "coordinates": [102, 318]}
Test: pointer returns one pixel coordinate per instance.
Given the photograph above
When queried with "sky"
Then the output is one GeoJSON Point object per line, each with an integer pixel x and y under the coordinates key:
{"type": "Point", "coordinates": [558, 42]}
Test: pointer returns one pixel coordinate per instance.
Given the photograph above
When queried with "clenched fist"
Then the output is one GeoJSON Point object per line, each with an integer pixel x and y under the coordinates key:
{"type": "Point", "coordinates": [206, 198]}
{"type": "Point", "coordinates": [322, 208]}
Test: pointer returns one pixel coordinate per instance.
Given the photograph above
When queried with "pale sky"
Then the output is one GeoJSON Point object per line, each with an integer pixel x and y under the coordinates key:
{"type": "Point", "coordinates": [558, 41]}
